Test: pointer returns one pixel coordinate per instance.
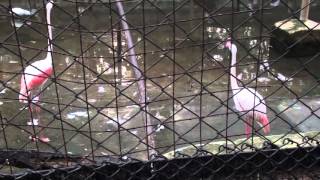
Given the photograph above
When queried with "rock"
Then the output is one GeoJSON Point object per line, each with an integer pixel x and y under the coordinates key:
{"type": "Point", "coordinates": [282, 141]}
{"type": "Point", "coordinates": [303, 36]}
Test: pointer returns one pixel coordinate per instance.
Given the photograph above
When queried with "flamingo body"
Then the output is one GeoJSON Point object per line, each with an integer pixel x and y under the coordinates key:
{"type": "Point", "coordinates": [251, 104]}
{"type": "Point", "coordinates": [37, 73]}
{"type": "Point", "coordinates": [34, 76]}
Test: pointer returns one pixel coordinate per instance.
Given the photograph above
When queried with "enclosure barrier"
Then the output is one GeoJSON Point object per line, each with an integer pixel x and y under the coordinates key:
{"type": "Point", "coordinates": [143, 89]}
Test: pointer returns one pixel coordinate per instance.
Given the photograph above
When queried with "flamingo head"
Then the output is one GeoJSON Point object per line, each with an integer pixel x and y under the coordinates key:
{"type": "Point", "coordinates": [228, 44]}
{"type": "Point", "coordinates": [232, 47]}
{"type": "Point", "coordinates": [49, 4]}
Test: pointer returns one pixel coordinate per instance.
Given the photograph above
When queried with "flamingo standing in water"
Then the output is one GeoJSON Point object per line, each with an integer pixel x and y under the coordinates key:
{"type": "Point", "coordinates": [36, 74]}
{"type": "Point", "coordinates": [248, 101]}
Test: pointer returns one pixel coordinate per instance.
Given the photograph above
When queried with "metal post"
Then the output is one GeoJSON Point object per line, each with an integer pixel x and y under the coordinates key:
{"type": "Point", "coordinates": [119, 56]}
{"type": "Point", "coordinates": [141, 86]}
{"type": "Point", "coordinates": [192, 11]}
{"type": "Point", "coordinates": [304, 13]}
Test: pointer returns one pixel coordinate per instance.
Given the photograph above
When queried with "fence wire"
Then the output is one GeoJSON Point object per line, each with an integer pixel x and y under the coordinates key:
{"type": "Point", "coordinates": [159, 89]}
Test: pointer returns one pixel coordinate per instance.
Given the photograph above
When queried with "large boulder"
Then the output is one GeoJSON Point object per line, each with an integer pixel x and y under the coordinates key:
{"type": "Point", "coordinates": [296, 38]}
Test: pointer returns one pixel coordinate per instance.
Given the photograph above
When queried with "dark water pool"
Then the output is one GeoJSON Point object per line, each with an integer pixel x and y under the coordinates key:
{"type": "Point", "coordinates": [197, 80]}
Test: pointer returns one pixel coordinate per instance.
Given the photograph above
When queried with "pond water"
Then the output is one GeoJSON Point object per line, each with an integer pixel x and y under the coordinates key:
{"type": "Point", "coordinates": [93, 106]}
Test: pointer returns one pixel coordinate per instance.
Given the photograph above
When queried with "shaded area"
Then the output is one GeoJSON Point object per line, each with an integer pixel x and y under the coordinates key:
{"type": "Point", "coordinates": [296, 38]}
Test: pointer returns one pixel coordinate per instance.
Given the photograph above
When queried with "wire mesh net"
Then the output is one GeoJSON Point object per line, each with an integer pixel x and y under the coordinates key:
{"type": "Point", "coordinates": [158, 89]}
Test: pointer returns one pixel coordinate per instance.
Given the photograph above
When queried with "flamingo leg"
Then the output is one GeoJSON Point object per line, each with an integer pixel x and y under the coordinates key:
{"type": "Point", "coordinates": [36, 109]}
{"type": "Point", "coordinates": [33, 110]}
{"type": "Point", "coordinates": [32, 122]}
{"type": "Point", "coordinates": [36, 103]}
{"type": "Point", "coordinates": [248, 126]}
{"type": "Point", "coordinates": [42, 136]}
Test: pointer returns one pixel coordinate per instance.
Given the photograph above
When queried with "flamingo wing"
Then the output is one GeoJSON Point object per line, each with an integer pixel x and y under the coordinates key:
{"type": "Point", "coordinates": [247, 99]}
{"type": "Point", "coordinates": [34, 76]}
{"type": "Point", "coordinates": [37, 73]}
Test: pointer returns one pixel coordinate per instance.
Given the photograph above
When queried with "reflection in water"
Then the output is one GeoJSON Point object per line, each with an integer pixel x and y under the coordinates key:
{"type": "Point", "coordinates": [196, 85]}
{"type": "Point", "coordinates": [72, 115]}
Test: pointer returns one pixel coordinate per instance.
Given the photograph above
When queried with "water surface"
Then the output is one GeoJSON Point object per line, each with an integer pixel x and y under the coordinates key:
{"type": "Point", "coordinates": [92, 108]}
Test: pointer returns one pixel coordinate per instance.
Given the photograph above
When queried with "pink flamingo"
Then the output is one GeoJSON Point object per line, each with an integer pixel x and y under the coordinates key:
{"type": "Point", "coordinates": [36, 74]}
{"type": "Point", "coordinates": [248, 101]}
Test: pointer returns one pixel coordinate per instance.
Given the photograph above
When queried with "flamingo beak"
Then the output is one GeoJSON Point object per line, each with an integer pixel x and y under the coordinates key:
{"type": "Point", "coordinates": [227, 48]}
{"type": "Point", "coordinates": [228, 43]}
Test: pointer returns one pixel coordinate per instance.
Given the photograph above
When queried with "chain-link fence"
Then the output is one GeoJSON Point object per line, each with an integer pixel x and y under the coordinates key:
{"type": "Point", "coordinates": [159, 89]}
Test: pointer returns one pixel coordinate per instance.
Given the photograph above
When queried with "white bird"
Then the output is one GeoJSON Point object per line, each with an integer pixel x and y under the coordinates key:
{"type": "Point", "coordinates": [264, 66]}
{"type": "Point", "coordinates": [275, 3]}
{"type": "Point", "coordinates": [281, 77]}
{"type": "Point", "coordinates": [263, 79]}
{"type": "Point", "coordinates": [23, 12]}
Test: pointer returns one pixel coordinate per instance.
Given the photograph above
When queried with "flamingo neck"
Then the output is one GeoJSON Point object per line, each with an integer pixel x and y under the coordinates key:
{"type": "Point", "coordinates": [50, 47]}
{"type": "Point", "coordinates": [233, 74]}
